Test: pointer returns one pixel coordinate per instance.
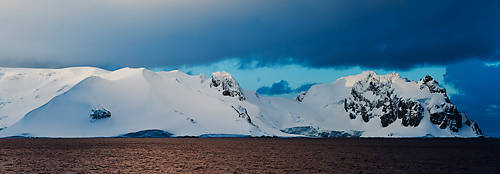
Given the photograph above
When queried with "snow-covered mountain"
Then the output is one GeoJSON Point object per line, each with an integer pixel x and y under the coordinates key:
{"type": "Point", "coordinates": [91, 102]}
{"type": "Point", "coordinates": [25, 89]}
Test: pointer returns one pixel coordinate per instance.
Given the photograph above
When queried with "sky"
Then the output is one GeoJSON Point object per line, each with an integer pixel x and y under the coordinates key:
{"type": "Point", "coordinates": [273, 47]}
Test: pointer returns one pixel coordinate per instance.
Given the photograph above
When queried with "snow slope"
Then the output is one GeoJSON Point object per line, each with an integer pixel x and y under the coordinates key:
{"type": "Point", "coordinates": [25, 89]}
{"type": "Point", "coordinates": [95, 103]}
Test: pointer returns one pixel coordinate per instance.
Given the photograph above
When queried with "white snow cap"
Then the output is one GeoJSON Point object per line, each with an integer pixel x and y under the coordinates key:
{"type": "Point", "coordinates": [223, 76]}
{"type": "Point", "coordinates": [369, 76]}
{"type": "Point", "coordinates": [225, 82]}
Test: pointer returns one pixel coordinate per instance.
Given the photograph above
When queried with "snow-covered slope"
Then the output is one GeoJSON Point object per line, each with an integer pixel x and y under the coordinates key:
{"type": "Point", "coordinates": [25, 89]}
{"type": "Point", "coordinates": [89, 102]}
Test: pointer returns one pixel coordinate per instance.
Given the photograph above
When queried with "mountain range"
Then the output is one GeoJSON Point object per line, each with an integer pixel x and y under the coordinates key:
{"type": "Point", "coordinates": [137, 102]}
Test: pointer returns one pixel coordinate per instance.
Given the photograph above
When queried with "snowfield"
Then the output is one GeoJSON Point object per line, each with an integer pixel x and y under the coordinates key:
{"type": "Point", "coordinates": [91, 102]}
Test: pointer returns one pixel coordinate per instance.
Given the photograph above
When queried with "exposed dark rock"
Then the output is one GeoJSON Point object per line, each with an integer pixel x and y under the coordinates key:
{"type": "Point", "coordinates": [432, 84]}
{"type": "Point", "coordinates": [437, 118]}
{"type": "Point", "coordinates": [227, 84]}
{"type": "Point", "coordinates": [224, 136]}
{"type": "Point", "coordinates": [392, 106]}
{"type": "Point", "coordinates": [154, 133]}
{"type": "Point", "coordinates": [388, 115]}
{"type": "Point", "coordinates": [242, 113]}
{"type": "Point", "coordinates": [313, 132]}
{"type": "Point", "coordinates": [473, 125]}
{"type": "Point", "coordinates": [446, 115]}
{"type": "Point", "coordinates": [410, 111]}
{"type": "Point", "coordinates": [301, 96]}
{"type": "Point", "coordinates": [383, 103]}
{"type": "Point", "coordinates": [476, 129]}
{"type": "Point", "coordinates": [191, 120]}
{"type": "Point", "coordinates": [352, 116]}
{"type": "Point", "coordinates": [468, 123]}
{"type": "Point", "coordinates": [100, 113]}
{"type": "Point", "coordinates": [301, 130]}
{"type": "Point", "coordinates": [339, 134]}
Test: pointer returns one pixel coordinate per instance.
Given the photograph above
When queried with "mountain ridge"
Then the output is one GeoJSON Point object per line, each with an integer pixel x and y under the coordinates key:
{"type": "Point", "coordinates": [136, 99]}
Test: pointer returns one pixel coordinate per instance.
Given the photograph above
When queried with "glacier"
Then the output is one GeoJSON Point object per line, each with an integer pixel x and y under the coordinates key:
{"type": "Point", "coordinates": [130, 102]}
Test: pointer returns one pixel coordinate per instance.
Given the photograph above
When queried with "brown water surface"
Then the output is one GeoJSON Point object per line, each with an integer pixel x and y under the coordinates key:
{"type": "Point", "coordinates": [249, 155]}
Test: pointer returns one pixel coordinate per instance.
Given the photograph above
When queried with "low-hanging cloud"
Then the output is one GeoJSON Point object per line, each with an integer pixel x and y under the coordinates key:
{"type": "Point", "coordinates": [376, 34]}
{"type": "Point", "coordinates": [282, 87]}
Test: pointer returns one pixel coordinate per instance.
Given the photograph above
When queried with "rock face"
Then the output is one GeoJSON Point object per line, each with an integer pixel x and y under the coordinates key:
{"type": "Point", "coordinates": [433, 85]}
{"type": "Point", "coordinates": [301, 96]}
{"type": "Point", "coordinates": [313, 132]}
{"type": "Point", "coordinates": [99, 113]}
{"type": "Point", "coordinates": [224, 82]}
{"type": "Point", "coordinates": [446, 114]}
{"type": "Point", "coordinates": [474, 126]}
{"type": "Point", "coordinates": [375, 96]}
{"type": "Point", "coordinates": [154, 133]}
{"type": "Point", "coordinates": [242, 113]}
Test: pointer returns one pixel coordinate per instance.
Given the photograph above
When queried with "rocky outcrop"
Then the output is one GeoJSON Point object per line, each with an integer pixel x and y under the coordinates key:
{"type": "Point", "coordinates": [99, 113]}
{"type": "Point", "coordinates": [313, 132]}
{"type": "Point", "coordinates": [375, 97]}
{"type": "Point", "coordinates": [242, 113]}
{"type": "Point", "coordinates": [154, 133]}
{"type": "Point", "coordinates": [301, 96]}
{"type": "Point", "coordinates": [474, 126]}
{"type": "Point", "coordinates": [225, 83]}
{"type": "Point", "coordinates": [431, 84]}
{"type": "Point", "coordinates": [410, 111]}
{"type": "Point", "coordinates": [445, 114]}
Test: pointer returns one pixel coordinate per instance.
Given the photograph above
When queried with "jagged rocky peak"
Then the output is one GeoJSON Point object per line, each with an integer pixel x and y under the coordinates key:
{"type": "Point", "coordinates": [444, 114]}
{"type": "Point", "coordinates": [376, 96]}
{"type": "Point", "coordinates": [371, 76]}
{"type": "Point", "coordinates": [225, 83]}
{"type": "Point", "coordinates": [432, 84]}
{"type": "Point", "coordinates": [367, 79]}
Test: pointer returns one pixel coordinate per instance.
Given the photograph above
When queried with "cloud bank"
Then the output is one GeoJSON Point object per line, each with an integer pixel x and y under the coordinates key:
{"type": "Point", "coordinates": [374, 34]}
{"type": "Point", "coordinates": [282, 87]}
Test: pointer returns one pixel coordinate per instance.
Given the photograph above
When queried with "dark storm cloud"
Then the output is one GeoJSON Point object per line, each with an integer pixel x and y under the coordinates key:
{"type": "Point", "coordinates": [282, 87]}
{"type": "Point", "coordinates": [376, 34]}
{"type": "Point", "coordinates": [479, 86]}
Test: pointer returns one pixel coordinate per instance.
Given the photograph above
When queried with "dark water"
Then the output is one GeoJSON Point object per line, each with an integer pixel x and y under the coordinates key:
{"type": "Point", "coordinates": [249, 155]}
